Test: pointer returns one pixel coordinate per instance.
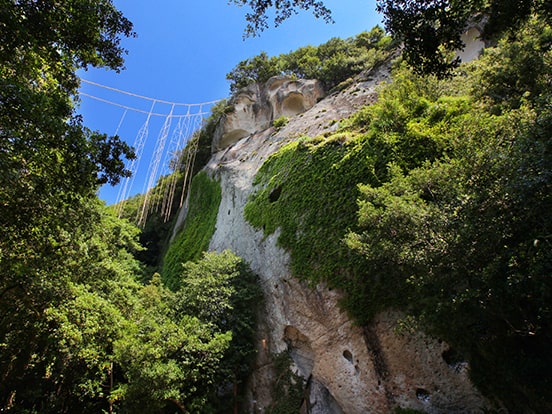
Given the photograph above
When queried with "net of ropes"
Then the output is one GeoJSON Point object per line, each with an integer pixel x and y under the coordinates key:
{"type": "Point", "coordinates": [163, 143]}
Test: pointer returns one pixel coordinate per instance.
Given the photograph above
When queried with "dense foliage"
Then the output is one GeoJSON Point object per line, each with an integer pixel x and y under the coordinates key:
{"type": "Point", "coordinates": [79, 332]}
{"type": "Point", "coordinates": [223, 293]}
{"type": "Point", "coordinates": [331, 63]}
{"type": "Point", "coordinates": [431, 29]}
{"type": "Point", "coordinates": [181, 348]}
{"type": "Point", "coordinates": [194, 237]}
{"type": "Point", "coordinates": [61, 314]}
{"type": "Point", "coordinates": [453, 222]}
{"type": "Point", "coordinates": [52, 251]}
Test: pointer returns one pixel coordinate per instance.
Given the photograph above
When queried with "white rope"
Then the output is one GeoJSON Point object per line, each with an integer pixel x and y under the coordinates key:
{"type": "Point", "coordinates": [181, 144]}
{"type": "Point", "coordinates": [178, 140]}
{"type": "Point", "coordinates": [141, 111]}
{"type": "Point", "coordinates": [188, 174]}
{"type": "Point", "coordinates": [139, 144]}
{"type": "Point", "coordinates": [155, 166]}
{"type": "Point", "coordinates": [116, 133]}
{"type": "Point", "coordinates": [145, 97]}
{"type": "Point", "coordinates": [121, 122]}
{"type": "Point", "coordinates": [169, 155]}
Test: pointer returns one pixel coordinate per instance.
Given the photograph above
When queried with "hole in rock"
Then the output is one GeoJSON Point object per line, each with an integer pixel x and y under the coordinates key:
{"type": "Point", "coordinates": [275, 194]}
{"type": "Point", "coordinates": [452, 357]}
{"type": "Point", "coordinates": [348, 356]}
{"type": "Point", "coordinates": [293, 104]}
{"type": "Point", "coordinates": [422, 395]}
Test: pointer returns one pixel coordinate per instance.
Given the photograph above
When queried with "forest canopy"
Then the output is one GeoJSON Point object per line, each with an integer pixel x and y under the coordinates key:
{"type": "Point", "coordinates": [331, 63]}
{"type": "Point", "coordinates": [429, 29]}
{"type": "Point", "coordinates": [80, 331]}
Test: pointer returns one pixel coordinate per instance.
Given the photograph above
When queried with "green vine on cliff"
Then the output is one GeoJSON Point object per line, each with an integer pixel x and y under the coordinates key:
{"type": "Point", "coordinates": [436, 200]}
{"type": "Point", "coordinates": [309, 189]}
{"type": "Point", "coordinates": [194, 237]}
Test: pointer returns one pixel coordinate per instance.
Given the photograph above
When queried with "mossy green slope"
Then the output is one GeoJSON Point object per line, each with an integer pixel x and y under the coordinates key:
{"type": "Point", "coordinates": [310, 189]}
{"type": "Point", "coordinates": [193, 238]}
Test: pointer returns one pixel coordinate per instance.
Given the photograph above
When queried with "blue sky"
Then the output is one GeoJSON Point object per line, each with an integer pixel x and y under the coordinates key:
{"type": "Point", "coordinates": [182, 53]}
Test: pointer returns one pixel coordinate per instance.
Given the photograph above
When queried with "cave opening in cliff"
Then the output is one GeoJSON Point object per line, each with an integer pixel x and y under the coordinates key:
{"type": "Point", "coordinates": [348, 355]}
{"type": "Point", "coordinates": [275, 194]}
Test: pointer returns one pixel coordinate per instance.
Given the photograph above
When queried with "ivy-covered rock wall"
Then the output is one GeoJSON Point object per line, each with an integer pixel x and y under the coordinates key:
{"type": "Point", "coordinates": [194, 236]}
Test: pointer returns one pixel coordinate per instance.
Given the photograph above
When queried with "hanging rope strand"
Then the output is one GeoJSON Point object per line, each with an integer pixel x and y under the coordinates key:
{"type": "Point", "coordinates": [175, 154]}
{"type": "Point", "coordinates": [184, 140]}
{"type": "Point", "coordinates": [139, 144]}
{"type": "Point", "coordinates": [190, 162]}
{"type": "Point", "coordinates": [120, 187]}
{"type": "Point", "coordinates": [183, 145]}
{"type": "Point", "coordinates": [169, 158]}
{"type": "Point", "coordinates": [121, 122]}
{"type": "Point", "coordinates": [171, 164]}
{"type": "Point", "coordinates": [148, 188]}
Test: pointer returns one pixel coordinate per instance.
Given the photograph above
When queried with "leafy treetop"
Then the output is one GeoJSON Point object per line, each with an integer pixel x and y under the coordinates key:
{"type": "Point", "coordinates": [430, 29]}
{"type": "Point", "coordinates": [331, 63]}
{"type": "Point", "coordinates": [258, 20]}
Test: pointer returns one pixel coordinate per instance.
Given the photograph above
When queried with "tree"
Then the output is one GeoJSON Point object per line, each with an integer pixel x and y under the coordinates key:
{"type": "Point", "coordinates": [465, 238]}
{"type": "Point", "coordinates": [42, 44]}
{"type": "Point", "coordinates": [68, 304]}
{"type": "Point", "coordinates": [260, 68]}
{"type": "Point", "coordinates": [181, 349]}
{"type": "Point", "coordinates": [51, 168]}
{"type": "Point", "coordinates": [331, 63]}
{"type": "Point", "coordinates": [431, 29]}
{"type": "Point", "coordinates": [224, 294]}
{"type": "Point", "coordinates": [167, 359]}
{"type": "Point", "coordinates": [258, 19]}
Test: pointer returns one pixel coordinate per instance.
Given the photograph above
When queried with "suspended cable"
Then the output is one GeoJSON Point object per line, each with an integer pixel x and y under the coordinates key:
{"type": "Point", "coordinates": [181, 151]}
{"type": "Point", "coordinates": [146, 97]}
{"type": "Point", "coordinates": [141, 111]}
{"type": "Point", "coordinates": [121, 122]}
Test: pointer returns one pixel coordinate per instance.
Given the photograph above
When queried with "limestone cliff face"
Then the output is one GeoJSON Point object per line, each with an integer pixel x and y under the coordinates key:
{"type": "Point", "coordinates": [350, 369]}
{"type": "Point", "coordinates": [256, 106]}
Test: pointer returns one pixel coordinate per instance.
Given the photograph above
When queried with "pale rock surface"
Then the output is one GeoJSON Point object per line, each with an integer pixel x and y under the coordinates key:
{"type": "Point", "coordinates": [473, 44]}
{"type": "Point", "coordinates": [256, 106]}
{"type": "Point", "coordinates": [349, 369]}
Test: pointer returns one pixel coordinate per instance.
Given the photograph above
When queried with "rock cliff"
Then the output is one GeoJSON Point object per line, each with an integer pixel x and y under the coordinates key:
{"type": "Point", "coordinates": [347, 368]}
{"type": "Point", "coordinates": [256, 106]}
